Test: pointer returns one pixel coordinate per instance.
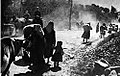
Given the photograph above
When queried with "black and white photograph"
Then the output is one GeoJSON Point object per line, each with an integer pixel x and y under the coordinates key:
{"type": "Point", "coordinates": [60, 38]}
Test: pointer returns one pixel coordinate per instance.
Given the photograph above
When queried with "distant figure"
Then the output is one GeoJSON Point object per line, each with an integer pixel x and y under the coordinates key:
{"type": "Point", "coordinates": [113, 28]}
{"type": "Point", "coordinates": [35, 37]}
{"type": "Point", "coordinates": [37, 12]}
{"type": "Point", "coordinates": [50, 40]}
{"type": "Point", "coordinates": [37, 18]}
{"type": "Point", "coordinates": [116, 28]}
{"type": "Point", "coordinates": [110, 28]}
{"type": "Point", "coordinates": [26, 15]}
{"type": "Point", "coordinates": [57, 57]}
{"type": "Point", "coordinates": [102, 30]}
{"type": "Point", "coordinates": [86, 34]}
{"type": "Point", "coordinates": [97, 28]}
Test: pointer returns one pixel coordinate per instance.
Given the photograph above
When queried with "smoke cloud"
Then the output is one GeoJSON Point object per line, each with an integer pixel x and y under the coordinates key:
{"type": "Point", "coordinates": [85, 13]}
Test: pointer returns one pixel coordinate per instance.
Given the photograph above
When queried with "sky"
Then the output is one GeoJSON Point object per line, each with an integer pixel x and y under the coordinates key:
{"type": "Point", "coordinates": [103, 3]}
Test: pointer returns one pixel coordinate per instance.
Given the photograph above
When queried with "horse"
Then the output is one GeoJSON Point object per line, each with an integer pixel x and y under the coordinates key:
{"type": "Point", "coordinates": [10, 47]}
{"type": "Point", "coordinates": [50, 40]}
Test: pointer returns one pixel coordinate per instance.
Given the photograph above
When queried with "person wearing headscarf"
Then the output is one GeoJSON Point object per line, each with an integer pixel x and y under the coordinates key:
{"type": "Point", "coordinates": [86, 33]}
{"type": "Point", "coordinates": [97, 28]}
{"type": "Point", "coordinates": [102, 30]}
{"type": "Point", "coordinates": [50, 40]}
{"type": "Point", "coordinates": [37, 12]}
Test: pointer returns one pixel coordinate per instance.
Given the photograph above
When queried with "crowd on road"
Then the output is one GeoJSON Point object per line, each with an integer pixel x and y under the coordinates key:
{"type": "Point", "coordinates": [40, 41]}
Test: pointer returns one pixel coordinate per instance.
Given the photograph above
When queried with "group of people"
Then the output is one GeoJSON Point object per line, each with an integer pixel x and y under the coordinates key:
{"type": "Point", "coordinates": [99, 28]}
{"type": "Point", "coordinates": [41, 42]}
{"type": "Point", "coordinates": [26, 19]}
{"type": "Point", "coordinates": [87, 28]}
{"type": "Point", "coordinates": [104, 28]}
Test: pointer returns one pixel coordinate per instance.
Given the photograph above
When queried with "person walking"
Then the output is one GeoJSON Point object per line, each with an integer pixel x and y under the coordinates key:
{"type": "Point", "coordinates": [86, 33]}
{"type": "Point", "coordinates": [102, 30]}
{"type": "Point", "coordinates": [97, 27]}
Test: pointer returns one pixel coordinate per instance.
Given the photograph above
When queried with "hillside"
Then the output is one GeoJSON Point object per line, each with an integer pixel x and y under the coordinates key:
{"type": "Point", "coordinates": [109, 49]}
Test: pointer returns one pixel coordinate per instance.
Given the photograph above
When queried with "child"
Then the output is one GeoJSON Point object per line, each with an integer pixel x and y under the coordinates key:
{"type": "Point", "coordinates": [57, 57]}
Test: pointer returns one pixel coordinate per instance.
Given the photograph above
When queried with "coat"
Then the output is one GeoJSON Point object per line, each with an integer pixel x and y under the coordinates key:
{"type": "Point", "coordinates": [50, 42]}
{"type": "Point", "coordinates": [97, 28]}
{"type": "Point", "coordinates": [86, 33]}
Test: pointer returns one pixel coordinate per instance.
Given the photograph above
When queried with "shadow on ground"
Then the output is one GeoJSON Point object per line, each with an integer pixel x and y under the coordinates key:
{"type": "Point", "coordinates": [35, 70]}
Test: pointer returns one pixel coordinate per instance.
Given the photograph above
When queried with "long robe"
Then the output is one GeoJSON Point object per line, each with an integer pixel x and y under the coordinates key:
{"type": "Point", "coordinates": [86, 33]}
{"type": "Point", "coordinates": [50, 41]}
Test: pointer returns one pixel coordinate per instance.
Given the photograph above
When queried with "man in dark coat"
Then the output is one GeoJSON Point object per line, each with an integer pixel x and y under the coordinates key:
{"type": "Point", "coordinates": [97, 28]}
{"type": "Point", "coordinates": [37, 12]}
{"type": "Point", "coordinates": [37, 18]}
{"type": "Point", "coordinates": [110, 27]}
{"type": "Point", "coordinates": [102, 30]}
{"type": "Point", "coordinates": [50, 40]}
{"type": "Point", "coordinates": [26, 15]}
{"type": "Point", "coordinates": [86, 34]}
